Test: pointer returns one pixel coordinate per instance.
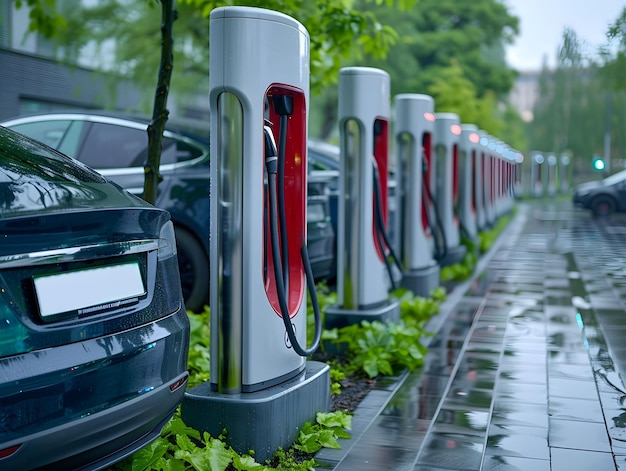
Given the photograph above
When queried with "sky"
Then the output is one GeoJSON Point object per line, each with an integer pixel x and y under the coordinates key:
{"type": "Point", "coordinates": [542, 23]}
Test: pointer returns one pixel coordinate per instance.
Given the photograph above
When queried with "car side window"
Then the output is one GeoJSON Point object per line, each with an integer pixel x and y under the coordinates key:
{"type": "Point", "coordinates": [49, 132]}
{"type": "Point", "coordinates": [112, 146]}
{"type": "Point", "coordinates": [316, 163]}
{"type": "Point", "coordinates": [71, 140]}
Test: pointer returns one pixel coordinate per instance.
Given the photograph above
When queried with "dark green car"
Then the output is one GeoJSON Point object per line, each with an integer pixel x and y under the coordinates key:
{"type": "Point", "coordinates": [94, 337]}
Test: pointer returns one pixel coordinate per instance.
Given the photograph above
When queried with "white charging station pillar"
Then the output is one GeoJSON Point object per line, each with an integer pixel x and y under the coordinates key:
{"type": "Point", "coordinates": [479, 183]}
{"type": "Point", "coordinates": [498, 178]}
{"type": "Point", "coordinates": [488, 185]}
{"type": "Point", "coordinates": [564, 173]}
{"type": "Point", "coordinates": [518, 182]}
{"type": "Point", "coordinates": [363, 281]}
{"type": "Point", "coordinates": [447, 133]}
{"type": "Point", "coordinates": [468, 150]}
{"type": "Point", "coordinates": [258, 60]}
{"type": "Point", "coordinates": [414, 128]}
{"type": "Point", "coordinates": [536, 174]}
{"type": "Point", "coordinates": [552, 177]}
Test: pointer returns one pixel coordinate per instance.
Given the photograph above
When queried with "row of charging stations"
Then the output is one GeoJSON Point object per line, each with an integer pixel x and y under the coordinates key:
{"type": "Point", "coordinates": [549, 174]}
{"type": "Point", "coordinates": [454, 180]}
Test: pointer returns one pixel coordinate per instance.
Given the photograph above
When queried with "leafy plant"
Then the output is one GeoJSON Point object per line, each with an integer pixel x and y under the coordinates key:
{"type": "Point", "coordinates": [386, 348]}
{"type": "Point", "coordinates": [455, 272]}
{"type": "Point", "coordinates": [336, 377]}
{"type": "Point", "coordinates": [199, 362]}
{"type": "Point", "coordinates": [380, 348]}
{"type": "Point", "coordinates": [487, 238]}
{"type": "Point", "coordinates": [417, 309]}
{"type": "Point", "coordinates": [182, 448]}
{"type": "Point", "coordinates": [329, 427]}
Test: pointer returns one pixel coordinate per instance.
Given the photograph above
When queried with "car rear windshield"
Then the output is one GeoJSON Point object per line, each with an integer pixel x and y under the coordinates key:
{"type": "Point", "coordinates": [21, 156]}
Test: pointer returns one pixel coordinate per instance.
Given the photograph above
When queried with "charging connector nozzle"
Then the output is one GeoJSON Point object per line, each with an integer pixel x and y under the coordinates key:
{"type": "Point", "coordinates": [283, 105]}
{"type": "Point", "coordinates": [271, 154]}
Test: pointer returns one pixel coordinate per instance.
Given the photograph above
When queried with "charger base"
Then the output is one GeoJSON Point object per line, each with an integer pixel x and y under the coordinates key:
{"type": "Point", "coordinates": [263, 420]}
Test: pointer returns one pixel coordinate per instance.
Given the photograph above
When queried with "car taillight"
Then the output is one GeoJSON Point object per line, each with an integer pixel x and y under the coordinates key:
{"type": "Point", "coordinates": [177, 384]}
{"type": "Point", "coordinates": [167, 241]}
{"type": "Point", "coordinates": [6, 452]}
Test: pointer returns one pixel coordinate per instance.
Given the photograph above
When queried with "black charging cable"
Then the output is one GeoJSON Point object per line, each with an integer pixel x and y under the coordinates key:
{"type": "Point", "coordinates": [273, 164]}
{"type": "Point", "coordinates": [439, 238]}
{"type": "Point", "coordinates": [381, 232]}
{"type": "Point", "coordinates": [283, 106]}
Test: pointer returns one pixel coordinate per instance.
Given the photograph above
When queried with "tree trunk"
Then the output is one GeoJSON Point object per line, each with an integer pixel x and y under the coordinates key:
{"type": "Point", "coordinates": [160, 112]}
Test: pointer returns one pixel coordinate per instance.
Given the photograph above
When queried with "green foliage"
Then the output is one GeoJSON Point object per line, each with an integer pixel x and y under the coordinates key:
{"type": "Point", "coordinates": [488, 238]}
{"type": "Point", "coordinates": [338, 31]}
{"type": "Point", "coordinates": [199, 363]}
{"type": "Point", "coordinates": [329, 427]}
{"type": "Point", "coordinates": [417, 309]}
{"type": "Point", "coordinates": [377, 348]}
{"type": "Point", "coordinates": [455, 272]}
{"type": "Point", "coordinates": [463, 270]}
{"type": "Point", "coordinates": [336, 377]}
{"type": "Point", "coordinates": [44, 17]}
{"type": "Point", "coordinates": [181, 448]}
{"type": "Point", "coordinates": [325, 298]}
{"type": "Point", "coordinates": [455, 52]}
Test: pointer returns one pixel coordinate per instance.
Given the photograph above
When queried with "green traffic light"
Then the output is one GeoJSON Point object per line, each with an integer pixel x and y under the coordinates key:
{"type": "Point", "coordinates": [598, 164]}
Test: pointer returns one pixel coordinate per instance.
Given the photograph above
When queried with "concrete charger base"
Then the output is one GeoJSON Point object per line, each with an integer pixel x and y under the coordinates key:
{"type": "Point", "coordinates": [422, 281]}
{"type": "Point", "coordinates": [453, 255]}
{"type": "Point", "coordinates": [338, 317]}
{"type": "Point", "coordinates": [263, 420]}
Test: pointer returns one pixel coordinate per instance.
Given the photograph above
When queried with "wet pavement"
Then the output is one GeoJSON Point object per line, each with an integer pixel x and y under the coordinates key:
{"type": "Point", "coordinates": [524, 372]}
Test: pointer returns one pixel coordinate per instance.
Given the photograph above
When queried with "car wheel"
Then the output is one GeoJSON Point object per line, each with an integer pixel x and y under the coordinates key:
{"type": "Point", "coordinates": [602, 206]}
{"type": "Point", "coordinates": [193, 265]}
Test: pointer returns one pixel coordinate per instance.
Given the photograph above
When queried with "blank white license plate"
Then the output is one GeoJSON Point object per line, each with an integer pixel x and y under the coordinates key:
{"type": "Point", "coordinates": [96, 288]}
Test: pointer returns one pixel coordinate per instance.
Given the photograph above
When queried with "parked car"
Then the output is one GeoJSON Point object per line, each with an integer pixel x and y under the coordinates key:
{"type": "Point", "coordinates": [324, 163]}
{"type": "Point", "coordinates": [602, 197]}
{"type": "Point", "coordinates": [116, 146]}
{"type": "Point", "coordinates": [94, 338]}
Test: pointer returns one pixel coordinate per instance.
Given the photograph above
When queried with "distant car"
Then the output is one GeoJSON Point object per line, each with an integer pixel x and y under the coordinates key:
{"type": "Point", "coordinates": [94, 338]}
{"type": "Point", "coordinates": [116, 146]}
{"type": "Point", "coordinates": [602, 197]}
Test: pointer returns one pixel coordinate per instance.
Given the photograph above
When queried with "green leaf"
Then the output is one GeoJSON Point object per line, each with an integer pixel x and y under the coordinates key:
{"type": "Point", "coordinates": [219, 457]}
{"type": "Point", "coordinates": [149, 455]}
{"type": "Point", "coordinates": [334, 419]}
{"type": "Point", "coordinates": [246, 463]}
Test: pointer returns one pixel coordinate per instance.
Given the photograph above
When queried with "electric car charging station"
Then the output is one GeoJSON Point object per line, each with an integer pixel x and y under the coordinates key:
{"type": "Point", "coordinates": [552, 176]}
{"type": "Point", "coordinates": [498, 173]}
{"type": "Point", "coordinates": [479, 182]}
{"type": "Point", "coordinates": [364, 273]}
{"type": "Point", "coordinates": [518, 180]}
{"type": "Point", "coordinates": [536, 177]}
{"type": "Point", "coordinates": [262, 389]}
{"type": "Point", "coordinates": [447, 133]}
{"type": "Point", "coordinates": [489, 146]}
{"type": "Point", "coordinates": [468, 151]}
{"type": "Point", "coordinates": [506, 181]}
{"type": "Point", "coordinates": [564, 174]}
{"type": "Point", "coordinates": [414, 127]}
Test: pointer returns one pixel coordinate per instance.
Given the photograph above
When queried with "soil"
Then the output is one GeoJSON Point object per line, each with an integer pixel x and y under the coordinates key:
{"type": "Point", "coordinates": [353, 391]}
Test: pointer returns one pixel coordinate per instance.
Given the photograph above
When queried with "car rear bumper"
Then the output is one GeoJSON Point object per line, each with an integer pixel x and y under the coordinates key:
{"type": "Point", "coordinates": [91, 413]}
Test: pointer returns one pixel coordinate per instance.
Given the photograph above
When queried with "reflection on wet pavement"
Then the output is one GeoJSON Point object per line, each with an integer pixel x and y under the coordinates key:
{"type": "Point", "coordinates": [525, 370]}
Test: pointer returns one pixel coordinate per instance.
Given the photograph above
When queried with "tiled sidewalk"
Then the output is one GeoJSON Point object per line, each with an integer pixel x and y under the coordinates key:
{"type": "Point", "coordinates": [523, 371]}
